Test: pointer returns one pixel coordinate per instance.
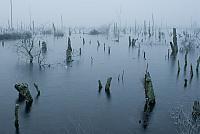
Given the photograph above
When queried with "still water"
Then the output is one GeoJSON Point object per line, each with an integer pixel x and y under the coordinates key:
{"type": "Point", "coordinates": [70, 102]}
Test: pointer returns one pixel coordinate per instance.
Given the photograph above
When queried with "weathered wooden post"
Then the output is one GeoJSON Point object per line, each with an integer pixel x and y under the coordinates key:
{"type": "Point", "coordinates": [133, 42]}
{"type": "Point", "coordinates": [118, 77]}
{"type": "Point", "coordinates": [83, 41]}
{"type": "Point", "coordinates": [100, 85]}
{"type": "Point", "coordinates": [123, 76]}
{"type": "Point", "coordinates": [173, 44]}
{"type": "Point", "coordinates": [149, 92]}
{"type": "Point", "coordinates": [98, 43]}
{"type": "Point", "coordinates": [185, 82]}
{"type": "Point", "coordinates": [168, 54]}
{"type": "Point", "coordinates": [109, 50]}
{"type": "Point", "coordinates": [17, 116]}
{"type": "Point", "coordinates": [198, 62]}
{"type": "Point", "coordinates": [69, 51]}
{"type": "Point", "coordinates": [2, 43]}
{"type": "Point", "coordinates": [44, 47]}
{"type": "Point", "coordinates": [179, 67]}
{"type": "Point", "coordinates": [129, 41]}
{"type": "Point", "coordinates": [175, 40]}
{"type": "Point", "coordinates": [144, 55]}
{"type": "Point", "coordinates": [37, 89]}
{"type": "Point", "coordinates": [191, 72]}
{"type": "Point", "coordinates": [79, 51]}
{"type": "Point", "coordinates": [24, 91]}
{"type": "Point", "coordinates": [107, 87]}
{"type": "Point", "coordinates": [185, 66]}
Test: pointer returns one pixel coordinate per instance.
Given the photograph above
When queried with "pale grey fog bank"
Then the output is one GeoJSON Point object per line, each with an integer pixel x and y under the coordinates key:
{"type": "Point", "coordinates": [98, 12]}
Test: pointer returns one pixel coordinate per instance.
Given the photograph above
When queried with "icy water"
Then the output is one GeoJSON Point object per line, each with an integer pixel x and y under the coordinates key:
{"type": "Point", "coordinates": [70, 102]}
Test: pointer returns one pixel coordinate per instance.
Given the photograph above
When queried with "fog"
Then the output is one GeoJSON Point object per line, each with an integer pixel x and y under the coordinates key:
{"type": "Point", "coordinates": [98, 12]}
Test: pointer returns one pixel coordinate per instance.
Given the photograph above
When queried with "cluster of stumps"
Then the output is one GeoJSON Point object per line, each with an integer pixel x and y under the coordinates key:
{"type": "Point", "coordinates": [24, 94]}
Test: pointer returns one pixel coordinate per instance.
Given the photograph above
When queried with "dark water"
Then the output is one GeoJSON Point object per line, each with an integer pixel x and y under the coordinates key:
{"type": "Point", "coordinates": [70, 101]}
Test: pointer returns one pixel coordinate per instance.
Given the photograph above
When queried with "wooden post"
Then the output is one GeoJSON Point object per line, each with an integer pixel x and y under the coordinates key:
{"type": "Point", "coordinates": [37, 89]}
{"type": "Point", "coordinates": [185, 82]}
{"type": "Point", "coordinates": [149, 92]}
{"type": "Point", "coordinates": [179, 67]}
{"type": "Point", "coordinates": [129, 41]}
{"type": "Point", "coordinates": [83, 41]}
{"type": "Point", "coordinates": [191, 71]}
{"type": "Point", "coordinates": [107, 87]}
{"type": "Point", "coordinates": [173, 44]}
{"type": "Point", "coordinates": [98, 43]}
{"type": "Point", "coordinates": [69, 51]}
{"type": "Point", "coordinates": [198, 62]}
{"type": "Point", "coordinates": [79, 51]}
{"type": "Point", "coordinates": [144, 55]}
{"type": "Point", "coordinates": [185, 66]}
{"type": "Point", "coordinates": [175, 40]}
{"type": "Point", "coordinates": [100, 85]}
{"type": "Point", "coordinates": [168, 54]}
{"type": "Point", "coordinates": [17, 116]}
{"type": "Point", "coordinates": [109, 50]}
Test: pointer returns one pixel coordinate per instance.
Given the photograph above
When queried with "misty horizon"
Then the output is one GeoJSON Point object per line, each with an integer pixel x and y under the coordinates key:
{"type": "Point", "coordinates": [91, 13]}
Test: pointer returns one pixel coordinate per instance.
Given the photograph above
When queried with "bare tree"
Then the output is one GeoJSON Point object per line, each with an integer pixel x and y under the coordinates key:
{"type": "Point", "coordinates": [31, 50]}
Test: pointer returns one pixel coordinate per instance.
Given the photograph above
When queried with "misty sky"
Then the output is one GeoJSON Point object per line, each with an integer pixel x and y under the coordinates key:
{"type": "Point", "coordinates": [97, 12]}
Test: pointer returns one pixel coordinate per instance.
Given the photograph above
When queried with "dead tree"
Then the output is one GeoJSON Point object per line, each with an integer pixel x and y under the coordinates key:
{"type": "Point", "coordinates": [29, 50]}
{"type": "Point", "coordinates": [174, 45]}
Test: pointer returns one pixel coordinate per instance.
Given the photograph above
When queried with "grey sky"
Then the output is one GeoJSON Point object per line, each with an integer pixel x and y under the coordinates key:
{"type": "Point", "coordinates": [97, 12]}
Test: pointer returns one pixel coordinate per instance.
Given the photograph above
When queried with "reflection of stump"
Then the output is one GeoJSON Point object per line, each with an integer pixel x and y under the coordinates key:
{"type": "Point", "coordinates": [24, 91]}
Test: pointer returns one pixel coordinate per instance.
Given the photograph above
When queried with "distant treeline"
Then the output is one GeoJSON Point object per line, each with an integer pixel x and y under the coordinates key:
{"type": "Point", "coordinates": [15, 36]}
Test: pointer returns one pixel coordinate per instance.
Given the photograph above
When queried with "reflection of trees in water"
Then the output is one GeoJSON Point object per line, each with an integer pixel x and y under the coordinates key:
{"type": "Point", "coordinates": [185, 123]}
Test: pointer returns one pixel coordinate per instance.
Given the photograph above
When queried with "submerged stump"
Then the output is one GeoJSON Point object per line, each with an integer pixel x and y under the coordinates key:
{"type": "Point", "coordinates": [24, 92]}
{"type": "Point", "coordinates": [100, 85]}
{"type": "Point", "coordinates": [149, 92]}
{"type": "Point", "coordinates": [198, 62]}
{"type": "Point", "coordinates": [69, 51]}
{"type": "Point", "coordinates": [17, 116]}
{"type": "Point", "coordinates": [173, 44]}
{"type": "Point", "coordinates": [44, 46]}
{"type": "Point", "coordinates": [107, 87]}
